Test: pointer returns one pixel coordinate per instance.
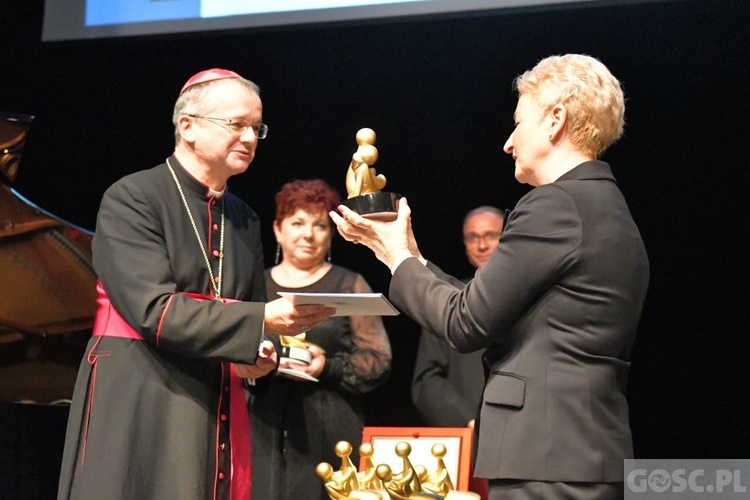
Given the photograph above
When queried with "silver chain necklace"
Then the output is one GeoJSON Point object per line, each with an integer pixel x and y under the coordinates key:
{"type": "Point", "coordinates": [216, 286]}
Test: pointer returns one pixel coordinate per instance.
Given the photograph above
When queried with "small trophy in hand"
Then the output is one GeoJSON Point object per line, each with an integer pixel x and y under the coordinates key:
{"type": "Point", "coordinates": [294, 349]}
{"type": "Point", "coordinates": [363, 183]}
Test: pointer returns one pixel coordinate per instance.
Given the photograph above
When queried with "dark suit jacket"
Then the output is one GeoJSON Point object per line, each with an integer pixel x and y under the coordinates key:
{"type": "Point", "coordinates": [447, 385]}
{"type": "Point", "coordinates": [557, 307]}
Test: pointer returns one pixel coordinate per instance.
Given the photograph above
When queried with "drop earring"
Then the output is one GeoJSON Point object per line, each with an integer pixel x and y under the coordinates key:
{"type": "Point", "coordinates": [278, 254]}
{"type": "Point", "coordinates": [328, 257]}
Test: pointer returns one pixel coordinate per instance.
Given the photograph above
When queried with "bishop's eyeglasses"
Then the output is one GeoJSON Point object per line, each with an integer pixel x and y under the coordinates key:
{"type": "Point", "coordinates": [237, 126]}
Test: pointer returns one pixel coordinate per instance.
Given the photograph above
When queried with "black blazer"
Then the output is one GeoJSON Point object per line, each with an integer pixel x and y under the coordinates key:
{"type": "Point", "coordinates": [557, 307]}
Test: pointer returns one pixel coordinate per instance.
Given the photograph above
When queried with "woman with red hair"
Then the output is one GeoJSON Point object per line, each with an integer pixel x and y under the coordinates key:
{"type": "Point", "coordinates": [298, 421]}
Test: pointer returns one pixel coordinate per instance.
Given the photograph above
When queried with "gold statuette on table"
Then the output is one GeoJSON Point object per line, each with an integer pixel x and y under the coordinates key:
{"type": "Point", "coordinates": [364, 184]}
{"type": "Point", "coordinates": [379, 482]}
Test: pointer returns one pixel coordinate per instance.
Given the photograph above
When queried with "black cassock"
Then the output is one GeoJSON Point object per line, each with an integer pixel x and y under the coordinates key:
{"type": "Point", "coordinates": [150, 418]}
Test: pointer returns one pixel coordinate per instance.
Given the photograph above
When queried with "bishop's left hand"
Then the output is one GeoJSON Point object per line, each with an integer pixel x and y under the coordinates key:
{"type": "Point", "coordinates": [265, 363]}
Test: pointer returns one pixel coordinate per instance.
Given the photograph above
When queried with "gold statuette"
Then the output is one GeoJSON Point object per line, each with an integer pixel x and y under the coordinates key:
{"type": "Point", "coordinates": [364, 184]}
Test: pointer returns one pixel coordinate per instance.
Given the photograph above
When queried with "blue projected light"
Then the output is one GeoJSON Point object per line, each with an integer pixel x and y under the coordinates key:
{"type": "Point", "coordinates": [103, 12]}
{"type": "Point", "coordinates": [80, 19]}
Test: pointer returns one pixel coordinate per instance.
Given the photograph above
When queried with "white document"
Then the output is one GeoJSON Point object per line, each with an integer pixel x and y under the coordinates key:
{"type": "Point", "coordinates": [346, 304]}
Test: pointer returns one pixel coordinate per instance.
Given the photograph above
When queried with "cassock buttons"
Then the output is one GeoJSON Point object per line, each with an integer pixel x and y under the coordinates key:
{"type": "Point", "coordinates": [222, 446]}
{"type": "Point", "coordinates": [216, 279]}
{"type": "Point", "coordinates": [221, 475]}
{"type": "Point", "coordinates": [216, 227]}
{"type": "Point", "coordinates": [223, 417]}
{"type": "Point", "coordinates": [216, 253]}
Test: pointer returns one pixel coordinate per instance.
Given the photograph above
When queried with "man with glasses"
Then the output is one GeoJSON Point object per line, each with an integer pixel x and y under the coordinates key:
{"type": "Point", "coordinates": [447, 385]}
{"type": "Point", "coordinates": [482, 229]}
{"type": "Point", "coordinates": [159, 409]}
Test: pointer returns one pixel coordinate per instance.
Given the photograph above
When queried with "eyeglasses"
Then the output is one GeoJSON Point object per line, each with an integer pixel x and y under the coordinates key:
{"type": "Point", "coordinates": [474, 238]}
{"type": "Point", "coordinates": [238, 127]}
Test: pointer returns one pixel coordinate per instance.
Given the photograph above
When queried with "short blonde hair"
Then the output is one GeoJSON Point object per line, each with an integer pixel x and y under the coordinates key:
{"type": "Point", "coordinates": [592, 96]}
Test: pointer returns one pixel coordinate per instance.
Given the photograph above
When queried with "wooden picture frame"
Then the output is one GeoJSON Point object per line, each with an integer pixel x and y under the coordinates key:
{"type": "Point", "coordinates": [457, 441]}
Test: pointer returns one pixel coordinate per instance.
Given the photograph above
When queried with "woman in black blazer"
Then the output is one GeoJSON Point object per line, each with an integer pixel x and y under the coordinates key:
{"type": "Point", "coordinates": [558, 303]}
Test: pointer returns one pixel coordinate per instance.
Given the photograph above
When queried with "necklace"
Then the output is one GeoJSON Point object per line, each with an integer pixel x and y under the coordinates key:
{"type": "Point", "coordinates": [216, 283]}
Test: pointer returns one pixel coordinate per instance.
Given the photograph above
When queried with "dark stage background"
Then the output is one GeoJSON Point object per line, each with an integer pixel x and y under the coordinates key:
{"type": "Point", "coordinates": [438, 93]}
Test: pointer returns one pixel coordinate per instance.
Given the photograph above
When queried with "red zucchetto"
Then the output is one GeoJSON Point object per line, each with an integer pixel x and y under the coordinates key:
{"type": "Point", "coordinates": [209, 75]}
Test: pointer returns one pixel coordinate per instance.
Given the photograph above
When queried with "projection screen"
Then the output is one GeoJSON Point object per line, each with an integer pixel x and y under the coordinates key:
{"type": "Point", "coordinates": [85, 19]}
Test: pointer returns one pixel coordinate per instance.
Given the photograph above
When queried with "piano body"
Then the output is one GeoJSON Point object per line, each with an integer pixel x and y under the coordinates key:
{"type": "Point", "coordinates": [47, 286]}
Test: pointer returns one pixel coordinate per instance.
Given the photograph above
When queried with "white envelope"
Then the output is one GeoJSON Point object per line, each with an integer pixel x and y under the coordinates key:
{"type": "Point", "coordinates": [346, 304]}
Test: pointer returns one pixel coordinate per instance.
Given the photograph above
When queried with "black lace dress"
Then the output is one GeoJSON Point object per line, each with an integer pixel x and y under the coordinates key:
{"type": "Point", "coordinates": [296, 424]}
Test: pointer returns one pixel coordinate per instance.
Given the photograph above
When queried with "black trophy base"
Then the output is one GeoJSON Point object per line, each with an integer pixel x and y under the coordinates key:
{"type": "Point", "coordinates": [294, 354]}
{"type": "Point", "coordinates": [377, 206]}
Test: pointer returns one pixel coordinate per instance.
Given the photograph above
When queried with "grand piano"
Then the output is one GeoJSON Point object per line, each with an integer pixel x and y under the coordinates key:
{"type": "Point", "coordinates": [47, 286]}
{"type": "Point", "coordinates": [47, 307]}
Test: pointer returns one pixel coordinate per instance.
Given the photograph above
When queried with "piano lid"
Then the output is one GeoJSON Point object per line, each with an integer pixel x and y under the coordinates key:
{"type": "Point", "coordinates": [13, 131]}
{"type": "Point", "coordinates": [47, 282]}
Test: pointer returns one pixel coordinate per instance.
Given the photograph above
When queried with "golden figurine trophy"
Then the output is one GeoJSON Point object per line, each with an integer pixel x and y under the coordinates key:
{"type": "Point", "coordinates": [380, 482]}
{"type": "Point", "coordinates": [364, 184]}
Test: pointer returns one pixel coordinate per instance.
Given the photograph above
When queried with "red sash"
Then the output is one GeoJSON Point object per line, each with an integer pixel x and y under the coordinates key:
{"type": "Point", "coordinates": [109, 323]}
